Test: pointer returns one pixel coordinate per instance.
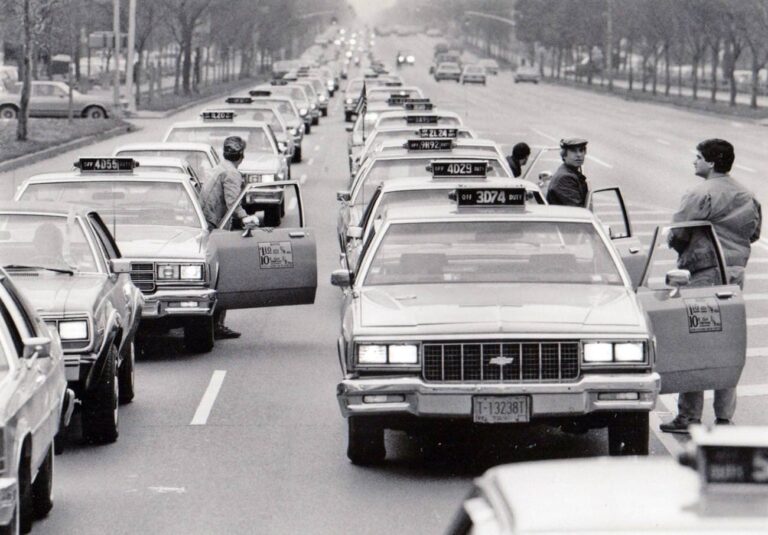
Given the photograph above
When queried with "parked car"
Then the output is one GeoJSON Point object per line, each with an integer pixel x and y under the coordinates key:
{"type": "Point", "coordinates": [35, 405]}
{"type": "Point", "coordinates": [527, 73]}
{"type": "Point", "coordinates": [51, 99]}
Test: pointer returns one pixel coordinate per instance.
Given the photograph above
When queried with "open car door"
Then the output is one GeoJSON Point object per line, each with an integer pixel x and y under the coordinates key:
{"type": "Point", "coordinates": [700, 331]}
{"type": "Point", "coordinates": [608, 205]}
{"type": "Point", "coordinates": [267, 266]}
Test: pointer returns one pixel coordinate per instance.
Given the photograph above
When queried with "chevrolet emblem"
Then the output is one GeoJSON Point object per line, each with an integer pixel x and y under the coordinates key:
{"type": "Point", "coordinates": [501, 361]}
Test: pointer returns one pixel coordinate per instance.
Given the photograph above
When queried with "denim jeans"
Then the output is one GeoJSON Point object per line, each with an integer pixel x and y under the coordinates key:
{"type": "Point", "coordinates": [691, 404]}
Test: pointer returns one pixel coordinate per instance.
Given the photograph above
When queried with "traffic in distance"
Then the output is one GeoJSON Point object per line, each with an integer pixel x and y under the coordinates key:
{"type": "Point", "coordinates": [480, 292]}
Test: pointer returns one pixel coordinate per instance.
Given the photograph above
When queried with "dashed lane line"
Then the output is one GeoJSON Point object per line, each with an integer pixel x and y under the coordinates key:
{"type": "Point", "coordinates": [599, 161]}
{"type": "Point", "coordinates": [756, 322]}
{"type": "Point", "coordinates": [209, 398]}
{"type": "Point", "coordinates": [744, 168]}
{"type": "Point", "coordinates": [757, 352]}
{"type": "Point", "coordinates": [317, 148]}
{"type": "Point", "coordinates": [310, 161]}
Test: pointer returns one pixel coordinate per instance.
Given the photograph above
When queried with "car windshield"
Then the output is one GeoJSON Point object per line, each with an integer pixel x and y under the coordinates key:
{"type": "Point", "coordinates": [286, 110]}
{"type": "Point", "coordinates": [492, 252]}
{"type": "Point", "coordinates": [256, 139]}
{"type": "Point", "coordinates": [128, 202]}
{"type": "Point", "coordinates": [47, 241]}
{"type": "Point", "coordinates": [382, 170]}
{"type": "Point", "coordinates": [401, 120]}
{"type": "Point", "coordinates": [295, 93]}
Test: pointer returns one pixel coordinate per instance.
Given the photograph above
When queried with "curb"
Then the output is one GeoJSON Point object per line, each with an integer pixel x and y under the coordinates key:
{"type": "Point", "coordinates": [55, 150]}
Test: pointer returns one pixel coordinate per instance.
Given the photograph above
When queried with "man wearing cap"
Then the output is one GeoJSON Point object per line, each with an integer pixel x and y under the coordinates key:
{"type": "Point", "coordinates": [568, 186]}
{"type": "Point", "coordinates": [736, 216]}
{"type": "Point", "coordinates": [220, 192]}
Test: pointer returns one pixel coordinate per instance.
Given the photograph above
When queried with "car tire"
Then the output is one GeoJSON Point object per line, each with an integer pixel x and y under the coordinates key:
{"type": "Point", "coordinates": [9, 113]}
{"type": "Point", "coordinates": [198, 334]}
{"type": "Point", "coordinates": [628, 434]}
{"type": "Point", "coordinates": [127, 374]}
{"type": "Point", "coordinates": [26, 500]}
{"type": "Point", "coordinates": [365, 444]}
{"type": "Point", "coordinates": [308, 129]}
{"type": "Point", "coordinates": [42, 488]}
{"type": "Point", "coordinates": [296, 155]}
{"type": "Point", "coordinates": [315, 121]}
{"type": "Point", "coordinates": [100, 407]}
{"type": "Point", "coordinates": [95, 112]}
{"type": "Point", "coordinates": [324, 112]}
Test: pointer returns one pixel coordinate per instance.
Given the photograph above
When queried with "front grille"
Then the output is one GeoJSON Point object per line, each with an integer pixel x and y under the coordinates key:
{"type": "Point", "coordinates": [513, 361]}
{"type": "Point", "coordinates": [143, 276]}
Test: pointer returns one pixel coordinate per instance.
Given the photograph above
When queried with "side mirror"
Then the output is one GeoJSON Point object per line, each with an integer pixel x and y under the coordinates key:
{"type": "Point", "coordinates": [354, 233]}
{"type": "Point", "coordinates": [349, 128]}
{"type": "Point", "coordinates": [341, 278]}
{"type": "Point", "coordinates": [677, 278]}
{"type": "Point", "coordinates": [343, 196]}
{"type": "Point", "coordinates": [40, 345]}
{"type": "Point", "coordinates": [120, 265]}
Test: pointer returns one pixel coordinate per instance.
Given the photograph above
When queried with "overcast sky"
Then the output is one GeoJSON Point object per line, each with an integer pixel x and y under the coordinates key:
{"type": "Point", "coordinates": [366, 9]}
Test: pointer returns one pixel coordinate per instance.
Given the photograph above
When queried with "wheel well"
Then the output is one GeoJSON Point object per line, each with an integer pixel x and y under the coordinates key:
{"type": "Point", "coordinates": [25, 456]}
{"type": "Point", "coordinates": [91, 106]}
{"type": "Point", "coordinates": [8, 105]}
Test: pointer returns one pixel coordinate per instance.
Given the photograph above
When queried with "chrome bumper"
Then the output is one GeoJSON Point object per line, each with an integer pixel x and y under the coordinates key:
{"type": "Point", "coordinates": [178, 302]}
{"type": "Point", "coordinates": [418, 398]}
{"type": "Point", "coordinates": [8, 499]}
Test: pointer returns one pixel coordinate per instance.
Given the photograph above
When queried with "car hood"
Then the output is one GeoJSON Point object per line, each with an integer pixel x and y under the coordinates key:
{"type": "Point", "coordinates": [60, 293]}
{"type": "Point", "coordinates": [151, 241]}
{"type": "Point", "coordinates": [261, 163]}
{"type": "Point", "coordinates": [503, 308]}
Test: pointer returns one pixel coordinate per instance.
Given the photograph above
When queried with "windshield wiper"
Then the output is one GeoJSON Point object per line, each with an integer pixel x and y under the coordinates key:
{"type": "Point", "coordinates": [46, 268]}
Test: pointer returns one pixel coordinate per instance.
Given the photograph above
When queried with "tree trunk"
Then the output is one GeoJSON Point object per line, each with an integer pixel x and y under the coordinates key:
{"type": "Point", "coordinates": [26, 77]}
{"type": "Point", "coordinates": [755, 77]}
{"type": "Point", "coordinates": [655, 75]}
{"type": "Point", "coordinates": [589, 66]}
{"type": "Point", "coordinates": [186, 68]}
{"type": "Point", "coordinates": [715, 64]}
{"type": "Point", "coordinates": [667, 77]}
{"type": "Point", "coordinates": [177, 73]}
{"type": "Point", "coordinates": [631, 68]}
{"type": "Point", "coordinates": [695, 74]}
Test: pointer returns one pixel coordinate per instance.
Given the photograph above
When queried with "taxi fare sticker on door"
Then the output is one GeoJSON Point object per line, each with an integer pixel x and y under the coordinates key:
{"type": "Point", "coordinates": [275, 254]}
{"type": "Point", "coordinates": [703, 315]}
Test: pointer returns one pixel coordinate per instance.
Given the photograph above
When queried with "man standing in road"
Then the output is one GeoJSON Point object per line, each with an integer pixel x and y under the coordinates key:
{"type": "Point", "coordinates": [219, 194]}
{"type": "Point", "coordinates": [518, 158]}
{"type": "Point", "coordinates": [736, 217]}
{"type": "Point", "coordinates": [568, 186]}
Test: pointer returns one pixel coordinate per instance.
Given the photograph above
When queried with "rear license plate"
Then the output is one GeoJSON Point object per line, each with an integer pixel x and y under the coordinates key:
{"type": "Point", "coordinates": [500, 409]}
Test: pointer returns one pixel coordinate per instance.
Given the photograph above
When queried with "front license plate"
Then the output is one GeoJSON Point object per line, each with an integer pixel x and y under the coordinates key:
{"type": "Point", "coordinates": [500, 409]}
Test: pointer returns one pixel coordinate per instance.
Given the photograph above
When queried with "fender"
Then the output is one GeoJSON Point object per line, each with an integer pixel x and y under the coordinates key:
{"type": "Point", "coordinates": [342, 357]}
{"type": "Point", "coordinates": [96, 371]}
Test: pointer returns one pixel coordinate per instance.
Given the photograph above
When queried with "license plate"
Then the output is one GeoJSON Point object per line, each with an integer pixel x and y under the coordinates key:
{"type": "Point", "coordinates": [500, 409]}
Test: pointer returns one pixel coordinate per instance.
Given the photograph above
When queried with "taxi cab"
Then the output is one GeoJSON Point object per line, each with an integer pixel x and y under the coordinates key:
{"type": "Point", "coordinates": [418, 118]}
{"type": "Point", "coordinates": [201, 156]}
{"type": "Point", "coordinates": [297, 94]}
{"type": "Point", "coordinates": [35, 405]}
{"type": "Point", "coordinates": [719, 484]}
{"type": "Point", "coordinates": [287, 109]}
{"type": "Point", "coordinates": [68, 265]}
{"type": "Point", "coordinates": [170, 165]}
{"type": "Point", "coordinates": [263, 160]}
{"type": "Point", "coordinates": [183, 269]}
{"type": "Point", "coordinates": [497, 312]}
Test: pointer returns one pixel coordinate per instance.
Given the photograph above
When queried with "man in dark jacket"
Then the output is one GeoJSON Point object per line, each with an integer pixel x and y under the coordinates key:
{"type": "Point", "coordinates": [568, 186]}
{"type": "Point", "coordinates": [519, 157]}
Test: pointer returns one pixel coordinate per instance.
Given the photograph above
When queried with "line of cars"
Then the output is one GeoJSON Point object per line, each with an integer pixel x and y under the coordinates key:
{"type": "Point", "coordinates": [100, 257]}
{"type": "Point", "coordinates": [469, 302]}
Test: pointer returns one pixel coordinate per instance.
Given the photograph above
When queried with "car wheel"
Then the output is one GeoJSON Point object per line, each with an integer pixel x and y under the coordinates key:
{"type": "Point", "coordinates": [324, 112]}
{"type": "Point", "coordinates": [9, 112]}
{"type": "Point", "coordinates": [127, 374]}
{"type": "Point", "coordinates": [26, 502]}
{"type": "Point", "coordinates": [296, 155]}
{"type": "Point", "coordinates": [628, 434]}
{"type": "Point", "coordinates": [95, 112]}
{"type": "Point", "coordinates": [308, 128]}
{"type": "Point", "coordinates": [198, 334]}
{"type": "Point", "coordinates": [42, 488]}
{"type": "Point", "coordinates": [100, 413]}
{"type": "Point", "coordinates": [365, 444]}
{"type": "Point", "coordinates": [315, 121]}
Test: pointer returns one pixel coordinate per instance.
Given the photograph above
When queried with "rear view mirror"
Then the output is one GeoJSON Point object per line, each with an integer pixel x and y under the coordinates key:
{"type": "Point", "coordinates": [341, 278]}
{"type": "Point", "coordinates": [38, 345]}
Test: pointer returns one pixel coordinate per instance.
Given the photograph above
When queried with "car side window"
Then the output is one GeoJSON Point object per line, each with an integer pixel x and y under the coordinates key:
{"type": "Point", "coordinates": [12, 330]}
{"type": "Point", "coordinates": [106, 241]}
{"type": "Point", "coordinates": [20, 315]}
{"type": "Point", "coordinates": [42, 90]}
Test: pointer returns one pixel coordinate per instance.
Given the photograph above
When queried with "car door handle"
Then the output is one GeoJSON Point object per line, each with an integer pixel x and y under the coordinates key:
{"type": "Point", "coordinates": [724, 295]}
{"type": "Point", "coordinates": [299, 234]}
{"type": "Point", "coordinates": [634, 250]}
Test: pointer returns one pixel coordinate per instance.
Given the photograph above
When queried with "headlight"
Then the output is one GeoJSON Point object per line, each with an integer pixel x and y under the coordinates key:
{"type": "Point", "coordinates": [185, 272]}
{"type": "Point", "coordinates": [622, 352]}
{"type": "Point", "coordinates": [303, 112]}
{"type": "Point", "coordinates": [403, 354]}
{"type": "Point", "coordinates": [73, 330]}
{"type": "Point", "coordinates": [191, 272]}
{"type": "Point", "coordinates": [253, 178]}
{"type": "Point", "coordinates": [349, 101]}
{"type": "Point", "coordinates": [410, 59]}
{"type": "Point", "coordinates": [314, 106]}
{"type": "Point", "coordinates": [322, 98]}
{"type": "Point", "coordinates": [167, 272]}
{"type": "Point", "coordinates": [400, 58]}
{"type": "Point", "coordinates": [372, 354]}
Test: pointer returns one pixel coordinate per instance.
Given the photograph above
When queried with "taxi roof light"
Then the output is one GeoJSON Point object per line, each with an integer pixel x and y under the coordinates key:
{"type": "Point", "coordinates": [218, 115]}
{"type": "Point", "coordinates": [239, 100]}
{"type": "Point", "coordinates": [106, 165]}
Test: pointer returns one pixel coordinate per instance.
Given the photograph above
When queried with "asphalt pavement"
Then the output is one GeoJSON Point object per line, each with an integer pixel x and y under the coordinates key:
{"type": "Point", "coordinates": [249, 438]}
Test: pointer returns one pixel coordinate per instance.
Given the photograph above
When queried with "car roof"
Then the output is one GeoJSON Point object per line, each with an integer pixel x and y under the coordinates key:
{"type": "Point", "coordinates": [393, 89]}
{"type": "Point", "coordinates": [160, 161]}
{"type": "Point", "coordinates": [76, 176]}
{"type": "Point", "coordinates": [167, 145]}
{"type": "Point", "coordinates": [38, 207]}
{"type": "Point", "coordinates": [533, 212]}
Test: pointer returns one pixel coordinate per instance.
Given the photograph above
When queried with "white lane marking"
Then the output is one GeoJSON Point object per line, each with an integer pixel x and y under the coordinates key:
{"type": "Point", "coordinates": [310, 161]}
{"type": "Point", "coordinates": [663, 142]}
{"type": "Point", "coordinates": [744, 168]}
{"type": "Point", "coordinates": [754, 352]}
{"type": "Point", "coordinates": [209, 398]}
{"type": "Point", "coordinates": [317, 148]}
{"type": "Point", "coordinates": [302, 179]}
{"type": "Point", "coordinates": [542, 134]}
{"type": "Point", "coordinates": [754, 322]}
{"type": "Point", "coordinates": [598, 161]}
{"type": "Point", "coordinates": [168, 490]}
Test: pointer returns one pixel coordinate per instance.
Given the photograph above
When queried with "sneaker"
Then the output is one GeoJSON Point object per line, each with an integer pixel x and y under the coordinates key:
{"type": "Point", "coordinates": [679, 424]}
{"type": "Point", "coordinates": [223, 332]}
{"type": "Point", "coordinates": [723, 421]}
